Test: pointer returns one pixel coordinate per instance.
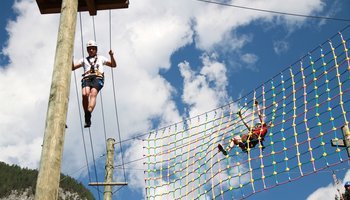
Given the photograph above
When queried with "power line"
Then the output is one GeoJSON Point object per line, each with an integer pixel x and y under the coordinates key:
{"type": "Point", "coordinates": [275, 12]}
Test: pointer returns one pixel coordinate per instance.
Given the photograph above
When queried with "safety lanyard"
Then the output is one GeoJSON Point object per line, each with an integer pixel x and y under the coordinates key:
{"type": "Point", "coordinates": [92, 64]}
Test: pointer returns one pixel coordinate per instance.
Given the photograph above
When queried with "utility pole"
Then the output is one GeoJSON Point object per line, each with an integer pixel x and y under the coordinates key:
{"type": "Point", "coordinates": [109, 172]}
{"type": "Point", "coordinates": [345, 142]}
{"type": "Point", "coordinates": [109, 168]}
{"type": "Point", "coordinates": [52, 148]}
{"type": "Point", "coordinates": [51, 155]}
{"type": "Point", "coordinates": [346, 134]}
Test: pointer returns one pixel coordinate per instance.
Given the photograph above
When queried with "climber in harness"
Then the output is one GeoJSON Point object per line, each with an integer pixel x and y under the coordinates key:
{"type": "Point", "coordinates": [255, 135]}
{"type": "Point", "coordinates": [93, 77]}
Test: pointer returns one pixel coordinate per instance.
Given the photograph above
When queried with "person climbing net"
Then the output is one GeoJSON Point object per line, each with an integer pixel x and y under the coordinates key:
{"type": "Point", "coordinates": [254, 136]}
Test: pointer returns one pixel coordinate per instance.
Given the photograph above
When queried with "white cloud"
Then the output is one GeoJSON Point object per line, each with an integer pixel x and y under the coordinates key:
{"type": "Point", "coordinates": [329, 192]}
{"type": "Point", "coordinates": [249, 58]}
{"type": "Point", "coordinates": [136, 179]}
{"type": "Point", "coordinates": [215, 72]}
{"type": "Point", "coordinates": [214, 21]}
{"type": "Point", "coordinates": [233, 42]}
{"type": "Point", "coordinates": [207, 89]}
{"type": "Point", "coordinates": [25, 85]}
{"type": "Point", "coordinates": [280, 47]}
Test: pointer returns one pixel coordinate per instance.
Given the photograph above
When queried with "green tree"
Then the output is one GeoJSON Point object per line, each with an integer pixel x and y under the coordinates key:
{"type": "Point", "coordinates": [15, 178]}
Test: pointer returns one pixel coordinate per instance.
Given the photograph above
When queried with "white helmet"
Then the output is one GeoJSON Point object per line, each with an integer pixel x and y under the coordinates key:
{"type": "Point", "coordinates": [91, 43]}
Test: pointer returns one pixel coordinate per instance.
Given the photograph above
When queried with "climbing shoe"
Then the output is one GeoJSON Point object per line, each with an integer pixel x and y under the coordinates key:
{"type": "Point", "coordinates": [222, 149]}
{"type": "Point", "coordinates": [87, 120]}
{"type": "Point", "coordinates": [243, 147]}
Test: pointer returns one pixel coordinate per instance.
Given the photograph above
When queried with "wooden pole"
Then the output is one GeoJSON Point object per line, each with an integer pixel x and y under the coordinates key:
{"type": "Point", "coordinates": [346, 133]}
{"type": "Point", "coordinates": [51, 155]}
{"type": "Point", "coordinates": [109, 169]}
{"type": "Point", "coordinates": [108, 184]}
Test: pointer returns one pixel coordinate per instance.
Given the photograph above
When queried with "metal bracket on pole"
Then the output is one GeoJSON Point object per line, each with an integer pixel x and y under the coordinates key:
{"type": "Point", "coordinates": [344, 142]}
{"type": "Point", "coordinates": [337, 143]}
{"type": "Point", "coordinates": [108, 184]}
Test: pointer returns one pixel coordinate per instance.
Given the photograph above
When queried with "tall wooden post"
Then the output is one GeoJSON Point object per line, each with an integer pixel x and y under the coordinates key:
{"type": "Point", "coordinates": [109, 168]}
{"type": "Point", "coordinates": [51, 155]}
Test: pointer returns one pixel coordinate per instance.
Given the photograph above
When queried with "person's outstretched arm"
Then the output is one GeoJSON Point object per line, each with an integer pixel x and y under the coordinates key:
{"type": "Point", "coordinates": [76, 66]}
{"type": "Point", "coordinates": [245, 124]}
{"type": "Point", "coordinates": [112, 63]}
{"type": "Point", "coordinates": [259, 113]}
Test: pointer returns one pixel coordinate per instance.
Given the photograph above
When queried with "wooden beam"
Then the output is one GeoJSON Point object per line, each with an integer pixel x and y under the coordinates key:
{"type": "Point", "coordinates": [91, 7]}
{"type": "Point", "coordinates": [54, 6]}
{"type": "Point", "coordinates": [49, 7]}
{"type": "Point", "coordinates": [108, 184]}
{"type": "Point", "coordinates": [337, 143]}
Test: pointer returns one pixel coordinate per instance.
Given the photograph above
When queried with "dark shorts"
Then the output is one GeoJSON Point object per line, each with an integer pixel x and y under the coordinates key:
{"type": "Point", "coordinates": [92, 82]}
{"type": "Point", "coordinates": [254, 140]}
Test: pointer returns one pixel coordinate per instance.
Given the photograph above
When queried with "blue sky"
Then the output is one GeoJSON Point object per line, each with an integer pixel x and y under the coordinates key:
{"type": "Point", "coordinates": [239, 50]}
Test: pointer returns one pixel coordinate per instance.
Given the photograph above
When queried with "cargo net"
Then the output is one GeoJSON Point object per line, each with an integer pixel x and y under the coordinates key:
{"type": "Point", "coordinates": [305, 107]}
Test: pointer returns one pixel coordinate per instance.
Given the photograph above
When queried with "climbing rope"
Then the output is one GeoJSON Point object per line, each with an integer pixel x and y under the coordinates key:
{"type": "Point", "coordinates": [115, 102]}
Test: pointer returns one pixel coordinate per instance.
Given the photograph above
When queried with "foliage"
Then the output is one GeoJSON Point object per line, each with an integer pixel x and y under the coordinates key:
{"type": "Point", "coordinates": [16, 178]}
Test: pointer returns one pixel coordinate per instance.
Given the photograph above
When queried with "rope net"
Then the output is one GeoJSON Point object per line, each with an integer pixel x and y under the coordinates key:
{"type": "Point", "coordinates": [305, 105]}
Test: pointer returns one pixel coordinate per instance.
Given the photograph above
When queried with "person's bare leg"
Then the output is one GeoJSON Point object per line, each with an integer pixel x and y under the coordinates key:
{"type": "Point", "coordinates": [92, 100]}
{"type": "Point", "coordinates": [228, 148]}
{"type": "Point", "coordinates": [231, 145]}
{"type": "Point", "coordinates": [241, 144]}
{"type": "Point", "coordinates": [90, 105]}
{"type": "Point", "coordinates": [85, 93]}
{"type": "Point", "coordinates": [234, 141]}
